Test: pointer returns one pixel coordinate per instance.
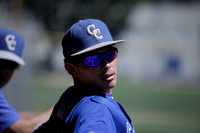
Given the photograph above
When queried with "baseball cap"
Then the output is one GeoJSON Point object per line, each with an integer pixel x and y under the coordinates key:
{"type": "Point", "coordinates": [11, 46]}
{"type": "Point", "coordinates": [85, 36]}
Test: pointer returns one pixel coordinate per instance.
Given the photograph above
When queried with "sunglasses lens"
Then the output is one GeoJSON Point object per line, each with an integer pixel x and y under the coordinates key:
{"type": "Point", "coordinates": [110, 56]}
{"type": "Point", "coordinates": [92, 60]}
{"type": "Point", "coordinates": [95, 60]}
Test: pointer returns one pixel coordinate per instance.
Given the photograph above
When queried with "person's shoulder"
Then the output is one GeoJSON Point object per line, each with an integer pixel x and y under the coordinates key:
{"type": "Point", "coordinates": [89, 108]}
{"type": "Point", "coordinates": [91, 104]}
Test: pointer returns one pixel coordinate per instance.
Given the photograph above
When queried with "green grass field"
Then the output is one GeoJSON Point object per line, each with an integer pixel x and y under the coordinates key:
{"type": "Point", "coordinates": [153, 108]}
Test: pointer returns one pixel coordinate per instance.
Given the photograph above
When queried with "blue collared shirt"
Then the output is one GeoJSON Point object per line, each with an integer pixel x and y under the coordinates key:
{"type": "Point", "coordinates": [8, 115]}
{"type": "Point", "coordinates": [87, 113]}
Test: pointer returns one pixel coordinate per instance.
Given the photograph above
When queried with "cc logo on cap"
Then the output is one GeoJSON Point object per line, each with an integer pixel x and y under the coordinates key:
{"type": "Point", "coordinates": [10, 40]}
{"type": "Point", "coordinates": [91, 29]}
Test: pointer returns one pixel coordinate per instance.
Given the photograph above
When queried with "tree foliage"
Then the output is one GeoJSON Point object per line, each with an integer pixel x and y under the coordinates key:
{"type": "Point", "coordinates": [61, 14]}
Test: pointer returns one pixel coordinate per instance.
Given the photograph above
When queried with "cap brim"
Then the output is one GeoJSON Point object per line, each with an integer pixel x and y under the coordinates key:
{"type": "Point", "coordinates": [97, 46]}
{"type": "Point", "coordinates": [12, 57]}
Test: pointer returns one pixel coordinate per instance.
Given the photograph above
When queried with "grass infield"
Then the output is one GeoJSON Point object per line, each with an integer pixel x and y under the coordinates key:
{"type": "Point", "coordinates": [153, 108]}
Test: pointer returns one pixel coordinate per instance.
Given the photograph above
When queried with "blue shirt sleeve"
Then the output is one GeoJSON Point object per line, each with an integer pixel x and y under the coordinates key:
{"type": "Point", "coordinates": [95, 121]}
{"type": "Point", "coordinates": [8, 115]}
{"type": "Point", "coordinates": [97, 115]}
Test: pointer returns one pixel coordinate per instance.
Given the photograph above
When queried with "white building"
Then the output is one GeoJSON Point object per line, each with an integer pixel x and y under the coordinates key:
{"type": "Point", "coordinates": [162, 42]}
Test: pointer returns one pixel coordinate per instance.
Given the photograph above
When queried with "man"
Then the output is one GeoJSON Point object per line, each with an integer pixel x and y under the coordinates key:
{"type": "Point", "coordinates": [88, 105]}
{"type": "Point", "coordinates": [11, 47]}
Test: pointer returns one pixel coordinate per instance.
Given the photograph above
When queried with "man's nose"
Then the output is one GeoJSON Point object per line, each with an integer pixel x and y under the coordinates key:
{"type": "Point", "coordinates": [105, 64]}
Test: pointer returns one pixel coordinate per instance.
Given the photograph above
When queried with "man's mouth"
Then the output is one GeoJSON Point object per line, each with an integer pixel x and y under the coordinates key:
{"type": "Point", "coordinates": [109, 76]}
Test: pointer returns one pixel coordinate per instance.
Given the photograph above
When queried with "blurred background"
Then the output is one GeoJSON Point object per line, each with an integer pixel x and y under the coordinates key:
{"type": "Point", "coordinates": [158, 64]}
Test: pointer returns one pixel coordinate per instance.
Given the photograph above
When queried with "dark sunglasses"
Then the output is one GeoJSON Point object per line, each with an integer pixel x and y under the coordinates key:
{"type": "Point", "coordinates": [95, 60]}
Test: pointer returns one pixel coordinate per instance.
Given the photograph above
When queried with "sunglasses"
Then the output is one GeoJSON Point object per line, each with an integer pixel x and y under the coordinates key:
{"type": "Point", "coordinates": [95, 60]}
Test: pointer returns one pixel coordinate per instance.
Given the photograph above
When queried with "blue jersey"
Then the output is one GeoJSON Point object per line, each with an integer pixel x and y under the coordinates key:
{"type": "Point", "coordinates": [8, 114]}
{"type": "Point", "coordinates": [87, 113]}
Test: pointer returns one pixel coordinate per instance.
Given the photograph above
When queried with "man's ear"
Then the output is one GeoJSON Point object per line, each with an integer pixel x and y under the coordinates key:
{"type": "Point", "coordinates": [71, 68]}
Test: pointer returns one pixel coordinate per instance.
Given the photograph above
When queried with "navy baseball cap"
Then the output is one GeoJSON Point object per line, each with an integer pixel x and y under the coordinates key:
{"type": "Point", "coordinates": [11, 46]}
{"type": "Point", "coordinates": [85, 36]}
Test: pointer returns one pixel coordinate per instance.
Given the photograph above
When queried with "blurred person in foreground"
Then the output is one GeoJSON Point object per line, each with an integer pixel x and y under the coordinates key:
{"type": "Point", "coordinates": [88, 106]}
{"type": "Point", "coordinates": [11, 48]}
